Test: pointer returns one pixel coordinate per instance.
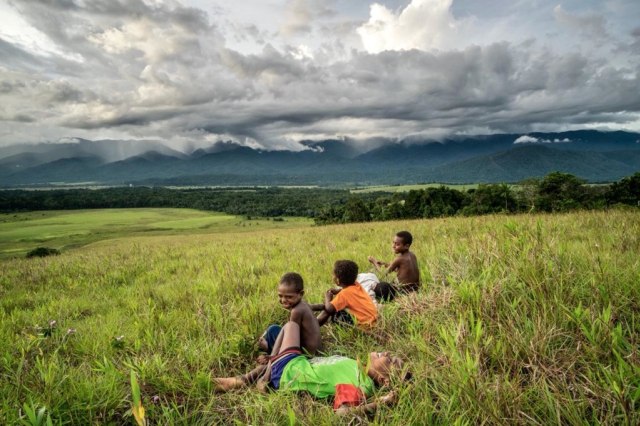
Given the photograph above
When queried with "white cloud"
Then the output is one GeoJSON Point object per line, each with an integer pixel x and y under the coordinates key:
{"type": "Point", "coordinates": [423, 24]}
{"type": "Point", "coordinates": [300, 15]}
{"type": "Point", "coordinates": [532, 139]}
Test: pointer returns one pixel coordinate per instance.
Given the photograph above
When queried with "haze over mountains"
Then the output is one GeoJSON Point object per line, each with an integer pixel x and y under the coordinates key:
{"type": "Point", "coordinates": [592, 155]}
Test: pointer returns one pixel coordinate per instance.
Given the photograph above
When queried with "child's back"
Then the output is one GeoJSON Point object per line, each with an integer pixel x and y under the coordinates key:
{"type": "Point", "coordinates": [357, 302]}
{"type": "Point", "coordinates": [407, 272]}
{"type": "Point", "coordinates": [351, 299]}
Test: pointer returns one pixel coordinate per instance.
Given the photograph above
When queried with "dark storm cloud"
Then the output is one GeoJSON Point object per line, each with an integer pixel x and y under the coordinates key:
{"type": "Point", "coordinates": [164, 70]}
{"type": "Point", "coordinates": [128, 119]}
{"type": "Point", "coordinates": [501, 86]}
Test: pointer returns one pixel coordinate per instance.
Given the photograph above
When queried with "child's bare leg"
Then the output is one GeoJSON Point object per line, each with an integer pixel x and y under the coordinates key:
{"type": "Point", "coordinates": [289, 337]}
{"type": "Point", "coordinates": [278, 343]}
{"type": "Point", "coordinates": [225, 384]}
{"type": "Point", "coordinates": [253, 375]}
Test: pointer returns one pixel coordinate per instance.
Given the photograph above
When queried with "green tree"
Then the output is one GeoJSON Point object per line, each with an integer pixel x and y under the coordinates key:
{"type": "Point", "coordinates": [489, 199]}
{"type": "Point", "coordinates": [626, 191]}
{"type": "Point", "coordinates": [356, 211]}
{"type": "Point", "coordinates": [442, 201]}
{"type": "Point", "coordinates": [558, 192]}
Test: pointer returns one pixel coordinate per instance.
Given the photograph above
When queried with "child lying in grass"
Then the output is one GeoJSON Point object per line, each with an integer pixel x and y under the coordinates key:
{"type": "Point", "coordinates": [350, 303]}
{"type": "Point", "coordinates": [290, 292]}
{"type": "Point", "coordinates": [322, 377]}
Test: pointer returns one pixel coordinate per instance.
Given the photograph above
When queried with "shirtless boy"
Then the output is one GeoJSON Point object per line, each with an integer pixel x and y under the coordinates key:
{"type": "Point", "coordinates": [405, 265]}
{"type": "Point", "coordinates": [290, 292]}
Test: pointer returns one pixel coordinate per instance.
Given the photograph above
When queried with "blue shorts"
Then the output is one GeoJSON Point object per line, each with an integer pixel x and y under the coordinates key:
{"type": "Point", "coordinates": [279, 362]}
{"type": "Point", "coordinates": [270, 336]}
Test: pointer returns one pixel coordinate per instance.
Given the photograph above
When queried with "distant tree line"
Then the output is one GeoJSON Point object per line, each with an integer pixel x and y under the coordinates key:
{"type": "Point", "coordinates": [556, 192]}
{"type": "Point", "coordinates": [254, 201]}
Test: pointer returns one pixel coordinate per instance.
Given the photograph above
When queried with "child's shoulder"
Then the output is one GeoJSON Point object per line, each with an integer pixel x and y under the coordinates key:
{"type": "Point", "coordinates": [302, 308]}
{"type": "Point", "coordinates": [408, 255]}
{"type": "Point", "coordinates": [349, 288]}
{"type": "Point", "coordinates": [352, 291]}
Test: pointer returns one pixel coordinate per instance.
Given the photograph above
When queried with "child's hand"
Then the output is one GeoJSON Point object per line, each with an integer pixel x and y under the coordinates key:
{"type": "Point", "coordinates": [263, 359]}
{"type": "Point", "coordinates": [372, 259]}
{"type": "Point", "coordinates": [390, 398]}
{"type": "Point", "coordinates": [262, 386]}
{"type": "Point", "coordinates": [343, 410]}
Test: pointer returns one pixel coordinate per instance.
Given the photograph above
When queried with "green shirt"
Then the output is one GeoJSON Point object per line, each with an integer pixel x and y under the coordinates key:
{"type": "Point", "coordinates": [320, 375]}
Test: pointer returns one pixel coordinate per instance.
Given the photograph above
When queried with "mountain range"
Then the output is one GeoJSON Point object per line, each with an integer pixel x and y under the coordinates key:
{"type": "Point", "coordinates": [592, 155]}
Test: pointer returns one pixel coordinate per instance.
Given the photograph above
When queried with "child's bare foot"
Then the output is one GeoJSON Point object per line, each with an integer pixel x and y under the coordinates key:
{"type": "Point", "coordinates": [225, 384]}
{"type": "Point", "coordinates": [262, 344]}
{"type": "Point", "coordinates": [263, 359]}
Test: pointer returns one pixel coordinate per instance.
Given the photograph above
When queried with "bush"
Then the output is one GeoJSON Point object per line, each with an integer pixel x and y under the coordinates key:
{"type": "Point", "coordinates": [43, 252]}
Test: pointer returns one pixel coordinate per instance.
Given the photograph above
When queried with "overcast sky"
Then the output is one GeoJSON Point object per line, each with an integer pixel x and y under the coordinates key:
{"type": "Point", "coordinates": [269, 73]}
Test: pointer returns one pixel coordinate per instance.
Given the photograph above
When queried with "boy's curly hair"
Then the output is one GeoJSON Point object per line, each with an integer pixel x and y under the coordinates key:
{"type": "Point", "coordinates": [294, 280]}
{"type": "Point", "coordinates": [406, 236]}
{"type": "Point", "coordinates": [346, 271]}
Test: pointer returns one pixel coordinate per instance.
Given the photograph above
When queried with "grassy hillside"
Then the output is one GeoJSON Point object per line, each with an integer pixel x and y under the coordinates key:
{"type": "Point", "coordinates": [522, 320]}
{"type": "Point", "coordinates": [22, 232]}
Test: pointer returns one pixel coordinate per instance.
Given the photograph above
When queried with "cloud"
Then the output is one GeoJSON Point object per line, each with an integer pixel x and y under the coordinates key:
{"type": "Point", "coordinates": [162, 70]}
{"type": "Point", "coordinates": [423, 24]}
{"type": "Point", "coordinates": [300, 15]}
{"type": "Point", "coordinates": [589, 24]}
{"type": "Point", "coordinates": [531, 139]}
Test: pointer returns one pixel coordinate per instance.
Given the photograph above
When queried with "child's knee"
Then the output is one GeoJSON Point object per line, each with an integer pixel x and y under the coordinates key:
{"type": "Point", "coordinates": [291, 327]}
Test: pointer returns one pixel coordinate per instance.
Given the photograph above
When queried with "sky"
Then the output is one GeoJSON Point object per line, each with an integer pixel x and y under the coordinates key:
{"type": "Point", "coordinates": [270, 73]}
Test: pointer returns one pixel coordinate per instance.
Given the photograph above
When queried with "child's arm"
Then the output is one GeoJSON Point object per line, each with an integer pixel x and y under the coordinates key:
{"type": "Point", "coordinates": [262, 384]}
{"type": "Point", "coordinates": [328, 306]}
{"type": "Point", "coordinates": [321, 306]}
{"type": "Point", "coordinates": [317, 307]}
{"type": "Point", "coordinates": [377, 263]}
{"type": "Point", "coordinates": [394, 266]}
{"type": "Point", "coordinates": [371, 407]}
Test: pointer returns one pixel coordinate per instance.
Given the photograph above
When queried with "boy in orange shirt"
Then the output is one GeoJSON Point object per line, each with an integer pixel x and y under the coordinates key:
{"type": "Point", "coordinates": [350, 303]}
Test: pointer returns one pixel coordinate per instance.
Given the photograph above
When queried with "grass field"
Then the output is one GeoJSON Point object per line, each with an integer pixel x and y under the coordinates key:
{"type": "Point", "coordinates": [22, 232]}
{"type": "Point", "coordinates": [407, 188]}
{"type": "Point", "coordinates": [531, 319]}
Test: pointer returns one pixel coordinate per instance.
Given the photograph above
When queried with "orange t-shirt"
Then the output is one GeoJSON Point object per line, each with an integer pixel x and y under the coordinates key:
{"type": "Point", "coordinates": [356, 300]}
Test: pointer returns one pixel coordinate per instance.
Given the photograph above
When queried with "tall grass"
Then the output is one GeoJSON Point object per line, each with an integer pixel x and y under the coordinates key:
{"type": "Point", "coordinates": [521, 320]}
